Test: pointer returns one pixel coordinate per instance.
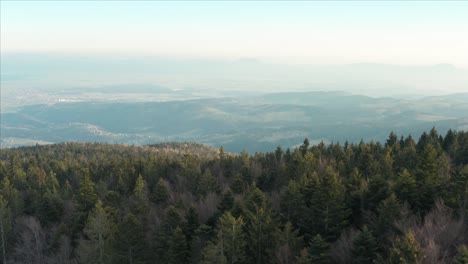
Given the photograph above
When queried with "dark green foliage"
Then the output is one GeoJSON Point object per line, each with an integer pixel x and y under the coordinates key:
{"type": "Point", "coordinates": [388, 212]}
{"type": "Point", "coordinates": [365, 247]}
{"type": "Point", "coordinates": [129, 245]}
{"type": "Point", "coordinates": [86, 195]}
{"type": "Point", "coordinates": [98, 203]}
{"type": "Point", "coordinates": [406, 188]}
{"type": "Point", "coordinates": [318, 250]}
{"type": "Point", "coordinates": [329, 212]}
{"type": "Point", "coordinates": [462, 256]}
{"type": "Point", "coordinates": [160, 193]}
{"type": "Point", "coordinates": [178, 248]}
{"type": "Point", "coordinates": [406, 250]}
{"type": "Point", "coordinates": [191, 223]}
{"type": "Point", "coordinates": [227, 202]}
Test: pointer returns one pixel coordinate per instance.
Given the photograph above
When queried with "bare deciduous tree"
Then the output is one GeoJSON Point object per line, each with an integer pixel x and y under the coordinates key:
{"type": "Point", "coordinates": [32, 241]}
{"type": "Point", "coordinates": [340, 251]}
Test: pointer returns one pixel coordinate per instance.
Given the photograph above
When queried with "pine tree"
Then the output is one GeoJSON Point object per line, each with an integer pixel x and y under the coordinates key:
{"type": "Point", "coordinates": [86, 195]}
{"type": "Point", "coordinates": [231, 239]}
{"type": "Point", "coordinates": [213, 253]}
{"type": "Point", "coordinates": [365, 248]}
{"type": "Point", "coordinates": [260, 230]}
{"type": "Point", "coordinates": [5, 228]}
{"type": "Point", "coordinates": [318, 250]}
{"type": "Point", "coordinates": [406, 188]}
{"type": "Point", "coordinates": [139, 198]}
{"type": "Point", "coordinates": [160, 194]}
{"type": "Point", "coordinates": [457, 194]}
{"type": "Point", "coordinates": [388, 211]}
{"type": "Point", "coordinates": [227, 201]}
{"type": "Point", "coordinates": [303, 257]}
{"type": "Point", "coordinates": [292, 202]}
{"type": "Point", "coordinates": [11, 196]}
{"type": "Point", "coordinates": [164, 234]}
{"type": "Point", "coordinates": [178, 248]}
{"type": "Point", "coordinates": [52, 184]}
{"type": "Point", "coordinates": [328, 206]}
{"type": "Point", "coordinates": [191, 223]}
{"type": "Point", "coordinates": [304, 147]}
{"type": "Point", "coordinates": [288, 244]}
{"type": "Point", "coordinates": [238, 184]}
{"type": "Point", "coordinates": [129, 242]}
{"type": "Point", "coordinates": [207, 183]}
{"type": "Point", "coordinates": [406, 251]}
{"type": "Point", "coordinates": [428, 178]}
{"type": "Point", "coordinates": [95, 246]}
{"type": "Point", "coordinates": [462, 256]}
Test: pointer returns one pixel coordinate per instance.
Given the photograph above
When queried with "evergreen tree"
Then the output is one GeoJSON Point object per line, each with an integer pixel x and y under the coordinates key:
{"type": "Point", "coordinates": [86, 195]}
{"type": "Point", "coordinates": [406, 188]}
{"type": "Point", "coordinates": [328, 206]}
{"type": "Point", "coordinates": [227, 201]}
{"type": "Point", "coordinates": [160, 194]}
{"type": "Point", "coordinates": [289, 243]}
{"type": "Point", "coordinates": [457, 194]}
{"type": "Point", "coordinates": [192, 223]}
{"type": "Point", "coordinates": [318, 250]}
{"type": "Point", "coordinates": [207, 183]}
{"type": "Point", "coordinates": [5, 228]}
{"type": "Point", "coordinates": [304, 147]}
{"type": "Point", "coordinates": [292, 202]}
{"type": "Point", "coordinates": [428, 178]}
{"type": "Point", "coordinates": [304, 257]}
{"type": "Point", "coordinates": [365, 248]}
{"type": "Point", "coordinates": [129, 242]}
{"type": "Point", "coordinates": [165, 232]}
{"type": "Point", "coordinates": [238, 184]}
{"type": "Point", "coordinates": [406, 251]}
{"type": "Point", "coordinates": [139, 198]}
{"type": "Point", "coordinates": [231, 239]}
{"type": "Point", "coordinates": [261, 230]}
{"type": "Point", "coordinates": [11, 196]}
{"type": "Point", "coordinates": [388, 211]}
{"type": "Point", "coordinates": [178, 248]}
{"type": "Point", "coordinates": [95, 246]}
{"type": "Point", "coordinates": [213, 253]}
{"type": "Point", "coordinates": [462, 256]}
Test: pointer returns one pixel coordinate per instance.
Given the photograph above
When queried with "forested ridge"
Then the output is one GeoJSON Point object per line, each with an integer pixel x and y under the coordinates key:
{"type": "Point", "coordinates": [401, 201]}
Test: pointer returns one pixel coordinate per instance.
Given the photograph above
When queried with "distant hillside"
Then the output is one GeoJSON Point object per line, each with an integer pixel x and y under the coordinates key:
{"type": "Point", "coordinates": [254, 123]}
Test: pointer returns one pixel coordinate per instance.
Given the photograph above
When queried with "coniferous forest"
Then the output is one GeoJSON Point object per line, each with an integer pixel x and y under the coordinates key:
{"type": "Point", "coordinates": [400, 201]}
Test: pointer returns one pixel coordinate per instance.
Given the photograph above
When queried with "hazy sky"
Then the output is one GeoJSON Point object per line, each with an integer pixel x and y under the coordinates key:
{"type": "Point", "coordinates": [338, 32]}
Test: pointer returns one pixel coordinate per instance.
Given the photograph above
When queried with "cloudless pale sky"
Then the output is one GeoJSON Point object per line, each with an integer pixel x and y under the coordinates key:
{"type": "Point", "coordinates": [336, 32]}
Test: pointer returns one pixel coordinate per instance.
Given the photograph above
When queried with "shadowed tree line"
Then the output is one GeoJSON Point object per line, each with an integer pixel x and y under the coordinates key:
{"type": "Point", "coordinates": [401, 201]}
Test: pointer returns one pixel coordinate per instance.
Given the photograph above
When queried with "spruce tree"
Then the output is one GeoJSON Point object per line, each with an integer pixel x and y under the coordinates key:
{"type": "Point", "coordinates": [227, 201]}
{"type": "Point", "coordinates": [95, 246]}
{"type": "Point", "coordinates": [86, 195]}
{"type": "Point", "coordinates": [329, 210]}
{"type": "Point", "coordinates": [5, 228]}
{"type": "Point", "coordinates": [388, 212]}
{"type": "Point", "coordinates": [406, 188]}
{"type": "Point", "coordinates": [462, 256]}
{"type": "Point", "coordinates": [406, 250]}
{"type": "Point", "coordinates": [178, 248]}
{"type": "Point", "coordinates": [318, 250]}
{"type": "Point", "coordinates": [160, 194]}
{"type": "Point", "coordinates": [129, 245]}
{"type": "Point", "coordinates": [365, 248]}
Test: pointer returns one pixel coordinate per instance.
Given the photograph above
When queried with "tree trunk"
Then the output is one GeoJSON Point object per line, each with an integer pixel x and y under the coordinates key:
{"type": "Point", "coordinates": [2, 232]}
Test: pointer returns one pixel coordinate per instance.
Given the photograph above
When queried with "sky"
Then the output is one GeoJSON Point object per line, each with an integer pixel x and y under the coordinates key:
{"type": "Point", "coordinates": [319, 32]}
